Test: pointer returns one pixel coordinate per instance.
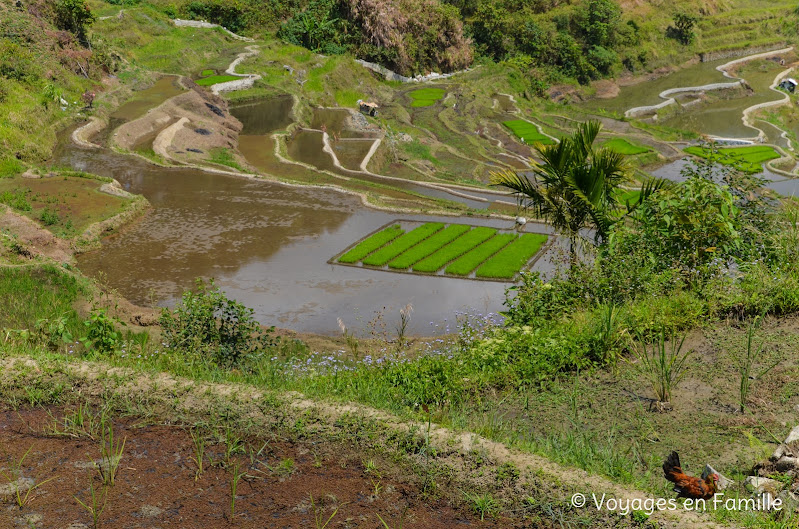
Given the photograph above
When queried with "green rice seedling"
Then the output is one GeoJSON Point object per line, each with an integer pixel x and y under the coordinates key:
{"type": "Point", "coordinates": [507, 262]}
{"type": "Point", "coordinates": [376, 486]}
{"type": "Point", "coordinates": [319, 517]}
{"type": "Point", "coordinates": [81, 423]}
{"type": "Point", "coordinates": [473, 258]}
{"type": "Point", "coordinates": [746, 365]}
{"type": "Point", "coordinates": [234, 484]}
{"type": "Point", "coordinates": [285, 468]}
{"type": "Point", "coordinates": [402, 243]}
{"type": "Point", "coordinates": [207, 72]}
{"type": "Point", "coordinates": [425, 97]}
{"type": "Point", "coordinates": [199, 452]}
{"type": "Point", "coordinates": [527, 132]}
{"type": "Point", "coordinates": [385, 524]}
{"type": "Point", "coordinates": [453, 250]}
{"type": "Point", "coordinates": [216, 79]}
{"type": "Point", "coordinates": [483, 504]}
{"type": "Point", "coordinates": [110, 455]}
{"type": "Point", "coordinates": [370, 244]}
{"type": "Point", "coordinates": [622, 146]}
{"type": "Point", "coordinates": [233, 445]}
{"type": "Point", "coordinates": [16, 480]}
{"type": "Point", "coordinates": [748, 159]}
{"type": "Point", "coordinates": [663, 366]}
{"type": "Point", "coordinates": [428, 246]}
{"type": "Point", "coordinates": [93, 505]}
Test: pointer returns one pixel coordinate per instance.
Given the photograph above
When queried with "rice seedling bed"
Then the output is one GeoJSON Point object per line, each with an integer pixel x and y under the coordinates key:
{"type": "Point", "coordinates": [372, 243]}
{"type": "Point", "coordinates": [216, 79]}
{"type": "Point", "coordinates": [455, 249]}
{"type": "Point", "coordinates": [528, 132]}
{"type": "Point", "coordinates": [426, 97]}
{"type": "Point", "coordinates": [472, 259]}
{"type": "Point", "coordinates": [428, 246]}
{"type": "Point", "coordinates": [508, 261]}
{"type": "Point", "coordinates": [402, 243]}
{"type": "Point", "coordinates": [622, 146]}
{"type": "Point", "coordinates": [747, 159]}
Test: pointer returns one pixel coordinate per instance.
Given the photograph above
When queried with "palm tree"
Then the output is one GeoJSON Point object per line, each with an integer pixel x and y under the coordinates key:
{"type": "Point", "coordinates": [574, 187]}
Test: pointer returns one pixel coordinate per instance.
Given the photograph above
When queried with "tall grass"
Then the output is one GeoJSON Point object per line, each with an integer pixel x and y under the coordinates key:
{"type": "Point", "coordinates": [661, 362]}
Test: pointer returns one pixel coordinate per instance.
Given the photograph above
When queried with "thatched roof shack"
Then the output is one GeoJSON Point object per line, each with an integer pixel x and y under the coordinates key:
{"type": "Point", "coordinates": [367, 107]}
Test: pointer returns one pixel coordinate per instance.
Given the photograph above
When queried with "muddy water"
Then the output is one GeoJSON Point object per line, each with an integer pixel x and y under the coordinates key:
{"type": "Point", "coordinates": [265, 116]}
{"type": "Point", "coordinates": [720, 115]}
{"type": "Point", "coordinates": [723, 117]}
{"type": "Point", "coordinates": [267, 245]}
{"type": "Point", "coordinates": [646, 93]}
{"type": "Point", "coordinates": [351, 153]}
{"type": "Point", "coordinates": [144, 100]}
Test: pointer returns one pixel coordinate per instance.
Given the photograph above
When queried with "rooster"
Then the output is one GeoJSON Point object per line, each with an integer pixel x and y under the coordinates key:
{"type": "Point", "coordinates": [688, 486]}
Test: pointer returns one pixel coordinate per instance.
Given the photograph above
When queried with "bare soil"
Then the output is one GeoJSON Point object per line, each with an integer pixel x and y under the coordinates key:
{"type": "Point", "coordinates": [34, 240]}
{"type": "Point", "coordinates": [157, 483]}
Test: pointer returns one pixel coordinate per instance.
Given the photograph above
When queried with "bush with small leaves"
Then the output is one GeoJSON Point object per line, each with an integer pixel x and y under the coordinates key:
{"type": "Point", "coordinates": [206, 322]}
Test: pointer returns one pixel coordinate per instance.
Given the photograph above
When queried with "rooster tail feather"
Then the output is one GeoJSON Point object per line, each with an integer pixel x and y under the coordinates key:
{"type": "Point", "coordinates": [672, 464]}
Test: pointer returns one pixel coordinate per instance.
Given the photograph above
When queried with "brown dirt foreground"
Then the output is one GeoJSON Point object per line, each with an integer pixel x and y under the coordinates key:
{"type": "Point", "coordinates": [328, 445]}
{"type": "Point", "coordinates": [156, 486]}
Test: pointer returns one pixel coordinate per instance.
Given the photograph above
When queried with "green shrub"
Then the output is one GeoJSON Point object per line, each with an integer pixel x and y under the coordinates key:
{"type": "Point", "coordinates": [101, 332]}
{"type": "Point", "coordinates": [49, 217]}
{"type": "Point", "coordinates": [208, 324]}
{"type": "Point", "coordinates": [16, 199]}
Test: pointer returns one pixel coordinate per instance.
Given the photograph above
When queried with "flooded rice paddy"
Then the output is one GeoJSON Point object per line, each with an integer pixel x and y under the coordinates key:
{"type": "Point", "coordinates": [266, 244]}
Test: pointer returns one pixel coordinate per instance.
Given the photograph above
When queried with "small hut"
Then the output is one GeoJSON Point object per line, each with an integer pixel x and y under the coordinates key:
{"type": "Point", "coordinates": [789, 84]}
{"type": "Point", "coordinates": [367, 107]}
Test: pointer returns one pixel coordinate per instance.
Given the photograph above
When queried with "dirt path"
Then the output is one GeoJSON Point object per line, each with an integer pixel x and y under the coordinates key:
{"type": "Point", "coordinates": [186, 399]}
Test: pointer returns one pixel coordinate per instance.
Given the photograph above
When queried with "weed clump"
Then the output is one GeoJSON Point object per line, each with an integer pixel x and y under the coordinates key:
{"type": "Point", "coordinates": [208, 324]}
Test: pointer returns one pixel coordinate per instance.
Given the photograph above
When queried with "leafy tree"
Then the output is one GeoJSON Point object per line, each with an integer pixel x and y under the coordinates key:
{"type": "Point", "coordinates": [602, 59]}
{"type": "Point", "coordinates": [318, 28]}
{"type": "Point", "coordinates": [598, 21]}
{"type": "Point", "coordinates": [75, 16]}
{"type": "Point", "coordinates": [683, 28]}
{"type": "Point", "coordinates": [228, 13]}
{"type": "Point", "coordinates": [575, 186]}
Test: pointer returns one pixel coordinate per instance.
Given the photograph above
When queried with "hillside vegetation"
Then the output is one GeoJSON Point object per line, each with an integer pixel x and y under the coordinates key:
{"type": "Point", "coordinates": [43, 63]}
{"type": "Point", "coordinates": [551, 40]}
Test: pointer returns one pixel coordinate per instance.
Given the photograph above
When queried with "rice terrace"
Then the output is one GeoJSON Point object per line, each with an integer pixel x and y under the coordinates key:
{"type": "Point", "coordinates": [417, 264]}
